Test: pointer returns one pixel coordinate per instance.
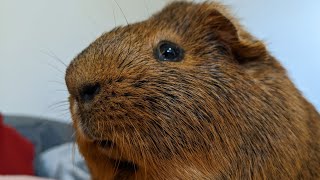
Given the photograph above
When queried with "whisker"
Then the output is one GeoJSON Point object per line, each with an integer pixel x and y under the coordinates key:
{"type": "Point", "coordinates": [94, 23]}
{"type": "Point", "coordinates": [61, 90]}
{"type": "Point", "coordinates": [56, 68]}
{"type": "Point", "coordinates": [147, 7]}
{"type": "Point", "coordinates": [61, 108]}
{"type": "Point", "coordinates": [121, 11]}
{"type": "Point", "coordinates": [141, 146]}
{"type": "Point", "coordinates": [54, 56]}
{"type": "Point", "coordinates": [63, 115]}
{"type": "Point", "coordinates": [57, 82]}
{"type": "Point", "coordinates": [66, 102]}
{"type": "Point", "coordinates": [119, 160]}
{"type": "Point", "coordinates": [114, 17]}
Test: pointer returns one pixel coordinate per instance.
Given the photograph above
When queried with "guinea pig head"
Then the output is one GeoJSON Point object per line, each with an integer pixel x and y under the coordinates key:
{"type": "Point", "coordinates": [177, 95]}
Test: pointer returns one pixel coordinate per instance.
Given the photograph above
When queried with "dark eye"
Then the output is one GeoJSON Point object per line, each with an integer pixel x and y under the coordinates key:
{"type": "Point", "coordinates": [168, 51]}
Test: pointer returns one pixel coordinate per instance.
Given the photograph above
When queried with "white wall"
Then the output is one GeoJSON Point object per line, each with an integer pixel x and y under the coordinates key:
{"type": "Point", "coordinates": [291, 28]}
{"type": "Point", "coordinates": [32, 31]}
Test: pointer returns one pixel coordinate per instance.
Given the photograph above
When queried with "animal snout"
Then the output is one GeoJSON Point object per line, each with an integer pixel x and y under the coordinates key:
{"type": "Point", "coordinates": [89, 91]}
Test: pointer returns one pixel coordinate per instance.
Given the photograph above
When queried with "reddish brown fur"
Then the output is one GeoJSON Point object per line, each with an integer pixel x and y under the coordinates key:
{"type": "Point", "coordinates": [226, 111]}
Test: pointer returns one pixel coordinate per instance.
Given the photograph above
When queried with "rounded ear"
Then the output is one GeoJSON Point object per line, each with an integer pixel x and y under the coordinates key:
{"type": "Point", "coordinates": [244, 47]}
{"type": "Point", "coordinates": [211, 22]}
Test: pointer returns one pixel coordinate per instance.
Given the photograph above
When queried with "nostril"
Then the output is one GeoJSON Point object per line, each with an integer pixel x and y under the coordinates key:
{"type": "Point", "coordinates": [88, 92]}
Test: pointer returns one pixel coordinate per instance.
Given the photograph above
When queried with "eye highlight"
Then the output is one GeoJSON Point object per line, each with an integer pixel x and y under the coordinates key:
{"type": "Point", "coordinates": [168, 51]}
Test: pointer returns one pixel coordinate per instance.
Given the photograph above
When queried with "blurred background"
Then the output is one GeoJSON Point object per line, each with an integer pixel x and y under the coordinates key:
{"type": "Point", "coordinates": [38, 38]}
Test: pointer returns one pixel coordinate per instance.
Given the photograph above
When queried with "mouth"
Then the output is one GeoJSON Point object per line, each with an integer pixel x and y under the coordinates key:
{"type": "Point", "coordinates": [124, 168]}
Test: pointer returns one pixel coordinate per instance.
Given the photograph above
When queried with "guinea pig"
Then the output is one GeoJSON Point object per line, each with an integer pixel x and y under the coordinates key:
{"type": "Point", "coordinates": [189, 94]}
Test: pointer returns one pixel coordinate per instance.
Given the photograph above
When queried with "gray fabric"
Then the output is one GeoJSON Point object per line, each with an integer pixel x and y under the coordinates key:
{"type": "Point", "coordinates": [43, 133]}
{"type": "Point", "coordinates": [63, 162]}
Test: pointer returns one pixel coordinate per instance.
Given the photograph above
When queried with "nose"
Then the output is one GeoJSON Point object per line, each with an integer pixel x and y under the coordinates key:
{"type": "Point", "coordinates": [89, 91]}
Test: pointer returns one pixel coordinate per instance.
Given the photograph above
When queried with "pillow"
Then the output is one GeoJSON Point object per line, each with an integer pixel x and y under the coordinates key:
{"type": "Point", "coordinates": [16, 152]}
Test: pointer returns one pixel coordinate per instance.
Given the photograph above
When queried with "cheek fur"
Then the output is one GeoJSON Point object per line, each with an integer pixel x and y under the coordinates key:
{"type": "Point", "coordinates": [75, 107]}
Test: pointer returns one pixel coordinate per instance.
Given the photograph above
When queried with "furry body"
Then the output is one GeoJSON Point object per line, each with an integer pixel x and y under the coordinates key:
{"type": "Point", "coordinates": [226, 111]}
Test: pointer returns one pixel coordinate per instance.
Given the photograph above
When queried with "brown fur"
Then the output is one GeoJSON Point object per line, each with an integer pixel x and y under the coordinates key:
{"type": "Point", "coordinates": [226, 111]}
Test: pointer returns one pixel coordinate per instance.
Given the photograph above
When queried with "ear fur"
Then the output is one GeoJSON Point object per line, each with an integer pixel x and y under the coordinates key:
{"type": "Point", "coordinates": [244, 47]}
{"type": "Point", "coordinates": [212, 19]}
